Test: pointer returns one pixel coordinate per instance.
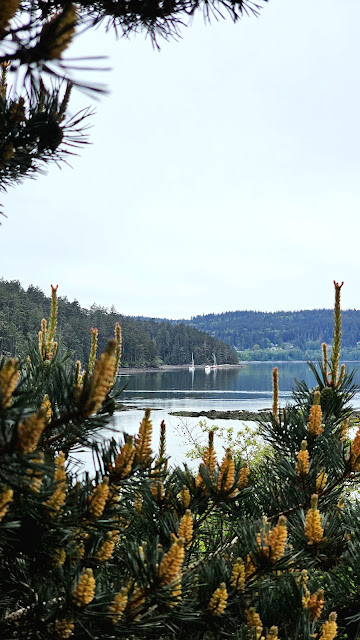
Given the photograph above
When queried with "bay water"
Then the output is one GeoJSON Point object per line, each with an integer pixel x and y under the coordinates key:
{"type": "Point", "coordinates": [248, 387]}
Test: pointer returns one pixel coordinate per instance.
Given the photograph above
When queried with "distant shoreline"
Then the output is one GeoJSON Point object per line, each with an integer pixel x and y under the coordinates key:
{"type": "Point", "coordinates": [175, 367]}
{"type": "Point", "coordinates": [243, 363]}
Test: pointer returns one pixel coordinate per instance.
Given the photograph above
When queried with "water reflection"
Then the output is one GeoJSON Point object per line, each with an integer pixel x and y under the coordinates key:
{"type": "Point", "coordinates": [234, 383]}
{"type": "Point", "coordinates": [248, 388]}
{"type": "Point", "coordinates": [192, 373]}
{"type": "Point", "coordinates": [252, 378]}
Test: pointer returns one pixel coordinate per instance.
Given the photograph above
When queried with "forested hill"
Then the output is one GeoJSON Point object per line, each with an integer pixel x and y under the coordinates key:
{"type": "Point", "coordinates": [145, 342]}
{"type": "Point", "coordinates": [292, 335]}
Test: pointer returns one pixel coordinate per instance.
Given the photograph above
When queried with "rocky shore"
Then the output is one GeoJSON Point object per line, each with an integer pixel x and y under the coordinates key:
{"type": "Point", "coordinates": [211, 415]}
{"type": "Point", "coordinates": [224, 415]}
{"type": "Point", "coordinates": [254, 416]}
{"type": "Point", "coordinates": [234, 415]}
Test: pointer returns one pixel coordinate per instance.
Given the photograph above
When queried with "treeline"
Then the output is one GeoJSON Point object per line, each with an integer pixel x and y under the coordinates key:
{"type": "Point", "coordinates": [294, 354]}
{"type": "Point", "coordinates": [282, 334]}
{"type": "Point", "coordinates": [146, 343]}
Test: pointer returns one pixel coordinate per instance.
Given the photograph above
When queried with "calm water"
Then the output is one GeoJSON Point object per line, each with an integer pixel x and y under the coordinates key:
{"type": "Point", "coordinates": [248, 387]}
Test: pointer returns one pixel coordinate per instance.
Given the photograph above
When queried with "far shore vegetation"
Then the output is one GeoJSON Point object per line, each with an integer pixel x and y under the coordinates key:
{"type": "Point", "coordinates": [293, 354]}
{"type": "Point", "coordinates": [238, 336]}
{"type": "Point", "coordinates": [146, 343]}
{"type": "Point", "coordinates": [281, 335]}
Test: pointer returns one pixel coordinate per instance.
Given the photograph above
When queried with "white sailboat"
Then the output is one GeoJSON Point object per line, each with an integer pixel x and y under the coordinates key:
{"type": "Point", "coordinates": [192, 366]}
{"type": "Point", "coordinates": [214, 365]}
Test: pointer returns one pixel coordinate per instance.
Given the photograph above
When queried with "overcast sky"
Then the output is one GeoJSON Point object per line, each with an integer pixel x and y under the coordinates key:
{"type": "Point", "coordinates": [223, 172]}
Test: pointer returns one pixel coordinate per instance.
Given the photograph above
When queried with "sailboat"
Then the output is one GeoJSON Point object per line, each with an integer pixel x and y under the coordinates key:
{"type": "Point", "coordinates": [214, 365]}
{"type": "Point", "coordinates": [192, 366]}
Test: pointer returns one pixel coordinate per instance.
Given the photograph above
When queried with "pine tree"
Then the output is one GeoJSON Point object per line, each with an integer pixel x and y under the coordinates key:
{"type": "Point", "coordinates": [35, 130]}
{"type": "Point", "coordinates": [141, 549]}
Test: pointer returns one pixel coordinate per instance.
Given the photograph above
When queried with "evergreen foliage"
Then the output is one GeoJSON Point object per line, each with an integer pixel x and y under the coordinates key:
{"type": "Point", "coordinates": [34, 130]}
{"type": "Point", "coordinates": [141, 549]}
{"type": "Point", "coordinates": [281, 335]}
{"type": "Point", "coordinates": [146, 343]}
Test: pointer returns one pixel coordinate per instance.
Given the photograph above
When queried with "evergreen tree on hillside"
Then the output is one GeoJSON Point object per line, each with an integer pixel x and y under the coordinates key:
{"type": "Point", "coordinates": [278, 334]}
{"type": "Point", "coordinates": [146, 343]}
{"type": "Point", "coordinates": [140, 549]}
